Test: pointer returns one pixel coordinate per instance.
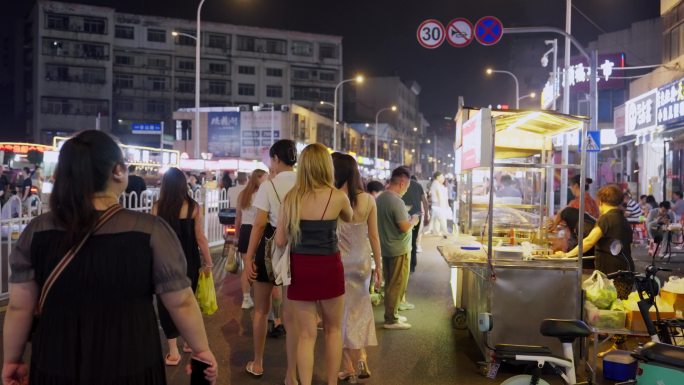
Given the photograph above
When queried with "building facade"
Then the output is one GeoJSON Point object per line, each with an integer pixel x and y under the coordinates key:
{"type": "Point", "coordinates": [88, 61]}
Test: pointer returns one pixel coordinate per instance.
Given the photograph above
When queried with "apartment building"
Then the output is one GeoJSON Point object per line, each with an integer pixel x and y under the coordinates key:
{"type": "Point", "coordinates": [86, 61]}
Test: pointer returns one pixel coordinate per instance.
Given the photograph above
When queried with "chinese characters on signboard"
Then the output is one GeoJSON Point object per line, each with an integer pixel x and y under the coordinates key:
{"type": "Point", "coordinates": [146, 128]}
{"type": "Point", "coordinates": [260, 129]}
{"type": "Point", "coordinates": [223, 137]}
{"type": "Point", "coordinates": [670, 103]}
{"type": "Point", "coordinates": [477, 133]}
{"type": "Point", "coordinates": [640, 113]}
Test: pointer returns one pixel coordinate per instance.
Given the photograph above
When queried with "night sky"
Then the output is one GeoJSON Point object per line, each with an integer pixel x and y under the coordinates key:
{"type": "Point", "coordinates": [380, 35]}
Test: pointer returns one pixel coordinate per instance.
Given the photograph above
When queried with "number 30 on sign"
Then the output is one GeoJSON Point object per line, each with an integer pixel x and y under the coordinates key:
{"type": "Point", "coordinates": [431, 34]}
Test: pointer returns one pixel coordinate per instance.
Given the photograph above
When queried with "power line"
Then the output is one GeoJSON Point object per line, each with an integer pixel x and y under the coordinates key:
{"type": "Point", "coordinates": [588, 19]}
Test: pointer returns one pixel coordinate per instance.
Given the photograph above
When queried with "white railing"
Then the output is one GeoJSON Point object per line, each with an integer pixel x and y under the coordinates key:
{"type": "Point", "coordinates": [15, 216]}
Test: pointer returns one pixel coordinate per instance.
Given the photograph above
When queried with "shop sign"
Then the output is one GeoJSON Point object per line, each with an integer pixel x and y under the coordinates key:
{"type": "Point", "coordinates": [547, 95]}
{"type": "Point", "coordinates": [476, 149]}
{"type": "Point", "coordinates": [579, 73]}
{"type": "Point", "coordinates": [256, 132]}
{"type": "Point", "coordinates": [619, 121]}
{"type": "Point", "coordinates": [670, 103]}
{"type": "Point", "coordinates": [23, 148]}
{"type": "Point", "coordinates": [146, 128]}
{"type": "Point", "coordinates": [640, 113]}
{"type": "Point", "coordinates": [223, 133]}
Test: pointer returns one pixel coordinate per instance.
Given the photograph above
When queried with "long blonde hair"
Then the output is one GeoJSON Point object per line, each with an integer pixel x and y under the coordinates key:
{"type": "Point", "coordinates": [315, 171]}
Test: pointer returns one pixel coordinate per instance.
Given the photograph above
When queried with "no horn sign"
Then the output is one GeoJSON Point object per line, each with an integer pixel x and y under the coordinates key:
{"type": "Point", "coordinates": [460, 32]}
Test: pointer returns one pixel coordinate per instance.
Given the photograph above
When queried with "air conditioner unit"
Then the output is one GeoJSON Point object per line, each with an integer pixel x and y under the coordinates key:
{"type": "Point", "coordinates": [284, 108]}
{"type": "Point", "coordinates": [256, 108]}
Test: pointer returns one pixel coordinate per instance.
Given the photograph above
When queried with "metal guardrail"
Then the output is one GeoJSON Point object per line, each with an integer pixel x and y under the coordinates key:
{"type": "Point", "coordinates": [15, 215]}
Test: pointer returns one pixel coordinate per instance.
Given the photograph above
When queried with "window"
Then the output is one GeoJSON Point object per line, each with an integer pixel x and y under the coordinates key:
{"type": "Point", "coordinates": [71, 106]}
{"type": "Point", "coordinates": [186, 65]}
{"type": "Point", "coordinates": [94, 25]}
{"type": "Point", "coordinates": [156, 35]}
{"type": "Point", "coordinates": [56, 73]}
{"type": "Point", "coordinates": [246, 70]}
{"type": "Point", "coordinates": [123, 105]}
{"type": "Point", "coordinates": [274, 72]}
{"type": "Point", "coordinates": [57, 21]}
{"type": "Point", "coordinates": [124, 60]}
{"type": "Point", "coordinates": [302, 48]}
{"type": "Point", "coordinates": [326, 94]}
{"type": "Point", "coordinates": [327, 76]}
{"type": "Point", "coordinates": [184, 104]}
{"type": "Point", "coordinates": [218, 68]}
{"type": "Point", "coordinates": [156, 106]}
{"type": "Point", "coordinates": [124, 32]}
{"type": "Point", "coordinates": [304, 93]}
{"type": "Point", "coordinates": [246, 89]}
{"type": "Point", "coordinates": [55, 106]}
{"type": "Point", "coordinates": [216, 41]}
{"type": "Point", "coordinates": [217, 87]}
{"type": "Point", "coordinates": [274, 91]}
{"type": "Point", "coordinates": [184, 39]}
{"type": "Point", "coordinates": [94, 75]}
{"type": "Point", "coordinates": [246, 43]}
{"type": "Point", "coordinates": [93, 51]}
{"type": "Point", "coordinates": [328, 51]}
{"type": "Point", "coordinates": [157, 62]}
{"type": "Point", "coordinates": [156, 83]}
{"type": "Point", "coordinates": [123, 81]}
{"type": "Point", "coordinates": [186, 85]}
{"type": "Point", "coordinates": [301, 74]}
{"type": "Point", "coordinates": [278, 47]}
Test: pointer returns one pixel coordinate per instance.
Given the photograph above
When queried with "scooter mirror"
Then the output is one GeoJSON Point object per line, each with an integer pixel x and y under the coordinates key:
{"type": "Point", "coordinates": [616, 247]}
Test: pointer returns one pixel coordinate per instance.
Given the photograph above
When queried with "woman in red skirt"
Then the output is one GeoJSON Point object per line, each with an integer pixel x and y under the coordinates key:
{"type": "Point", "coordinates": [308, 221]}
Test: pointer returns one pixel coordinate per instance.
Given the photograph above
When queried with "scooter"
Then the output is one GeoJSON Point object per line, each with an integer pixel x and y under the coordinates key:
{"type": "Point", "coordinates": [660, 362]}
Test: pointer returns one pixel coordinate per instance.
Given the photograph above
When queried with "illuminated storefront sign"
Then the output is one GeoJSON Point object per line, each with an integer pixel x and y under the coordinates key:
{"type": "Point", "coordinates": [670, 103]}
{"type": "Point", "coordinates": [640, 113]}
{"type": "Point", "coordinates": [23, 148]}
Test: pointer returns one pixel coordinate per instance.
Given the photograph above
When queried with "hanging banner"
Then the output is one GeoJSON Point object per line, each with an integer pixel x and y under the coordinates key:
{"type": "Point", "coordinates": [477, 140]}
{"type": "Point", "coordinates": [223, 134]}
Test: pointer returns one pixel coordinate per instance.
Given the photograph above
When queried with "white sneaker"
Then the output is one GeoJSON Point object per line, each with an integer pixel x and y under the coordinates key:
{"type": "Point", "coordinates": [419, 249]}
{"type": "Point", "coordinates": [397, 326]}
{"type": "Point", "coordinates": [247, 302]}
{"type": "Point", "coordinates": [402, 319]}
{"type": "Point", "coordinates": [406, 306]}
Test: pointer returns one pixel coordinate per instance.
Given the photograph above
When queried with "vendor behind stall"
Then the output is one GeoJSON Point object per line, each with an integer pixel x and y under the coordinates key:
{"type": "Point", "coordinates": [612, 225]}
{"type": "Point", "coordinates": [590, 206]}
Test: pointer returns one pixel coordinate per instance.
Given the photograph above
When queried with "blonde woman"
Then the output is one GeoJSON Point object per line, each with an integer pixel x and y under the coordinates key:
{"type": "Point", "coordinates": [308, 220]}
{"type": "Point", "coordinates": [246, 212]}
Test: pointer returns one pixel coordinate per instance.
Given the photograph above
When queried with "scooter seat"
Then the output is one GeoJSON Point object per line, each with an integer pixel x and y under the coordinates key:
{"type": "Point", "coordinates": [663, 353]}
{"type": "Point", "coordinates": [508, 352]}
{"type": "Point", "coordinates": [565, 330]}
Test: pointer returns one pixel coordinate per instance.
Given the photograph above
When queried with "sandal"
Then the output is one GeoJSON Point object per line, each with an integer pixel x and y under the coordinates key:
{"type": "Point", "coordinates": [169, 362]}
{"type": "Point", "coordinates": [250, 369]}
{"type": "Point", "coordinates": [186, 348]}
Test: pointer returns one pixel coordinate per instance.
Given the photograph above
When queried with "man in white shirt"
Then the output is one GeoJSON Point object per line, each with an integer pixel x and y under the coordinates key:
{"type": "Point", "coordinates": [234, 191]}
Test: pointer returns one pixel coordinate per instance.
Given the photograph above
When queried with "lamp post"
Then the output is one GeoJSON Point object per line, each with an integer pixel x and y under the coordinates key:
{"type": "Point", "coordinates": [324, 103]}
{"type": "Point", "coordinates": [517, 86]}
{"type": "Point", "coordinates": [358, 79]}
{"type": "Point", "coordinates": [531, 95]}
{"type": "Point", "coordinates": [377, 115]}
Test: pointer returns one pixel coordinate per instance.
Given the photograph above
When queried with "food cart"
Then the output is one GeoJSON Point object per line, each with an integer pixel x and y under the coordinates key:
{"type": "Point", "coordinates": [502, 263]}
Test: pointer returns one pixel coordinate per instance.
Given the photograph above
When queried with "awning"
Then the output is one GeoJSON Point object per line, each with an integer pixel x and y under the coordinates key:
{"type": "Point", "coordinates": [526, 133]}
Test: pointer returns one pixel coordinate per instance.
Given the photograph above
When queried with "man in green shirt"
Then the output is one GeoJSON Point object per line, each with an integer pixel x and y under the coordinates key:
{"type": "Point", "coordinates": [394, 227]}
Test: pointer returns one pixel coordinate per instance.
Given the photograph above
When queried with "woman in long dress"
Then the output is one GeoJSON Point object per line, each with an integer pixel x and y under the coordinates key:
{"type": "Point", "coordinates": [358, 325]}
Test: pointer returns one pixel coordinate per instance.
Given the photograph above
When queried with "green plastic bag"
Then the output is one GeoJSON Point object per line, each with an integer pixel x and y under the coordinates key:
{"type": "Point", "coordinates": [206, 294]}
{"type": "Point", "coordinates": [600, 290]}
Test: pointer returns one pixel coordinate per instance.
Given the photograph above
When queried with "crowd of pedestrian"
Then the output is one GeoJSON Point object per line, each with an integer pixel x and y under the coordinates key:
{"type": "Point", "coordinates": [344, 235]}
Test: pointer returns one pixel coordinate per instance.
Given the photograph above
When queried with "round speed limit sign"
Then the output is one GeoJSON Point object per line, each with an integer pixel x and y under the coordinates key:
{"type": "Point", "coordinates": [431, 34]}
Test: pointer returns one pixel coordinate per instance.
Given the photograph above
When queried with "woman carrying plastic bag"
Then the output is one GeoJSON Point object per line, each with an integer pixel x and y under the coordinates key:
{"type": "Point", "coordinates": [206, 294]}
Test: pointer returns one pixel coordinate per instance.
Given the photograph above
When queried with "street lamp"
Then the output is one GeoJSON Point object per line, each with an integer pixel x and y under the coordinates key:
{"type": "Point", "coordinates": [358, 79]}
{"type": "Point", "coordinates": [531, 95]}
{"type": "Point", "coordinates": [377, 115]}
{"type": "Point", "coordinates": [517, 87]}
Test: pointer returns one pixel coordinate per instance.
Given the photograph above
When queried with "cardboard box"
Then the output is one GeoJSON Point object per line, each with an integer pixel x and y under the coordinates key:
{"type": "Point", "coordinates": [676, 300]}
{"type": "Point", "coordinates": [636, 323]}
